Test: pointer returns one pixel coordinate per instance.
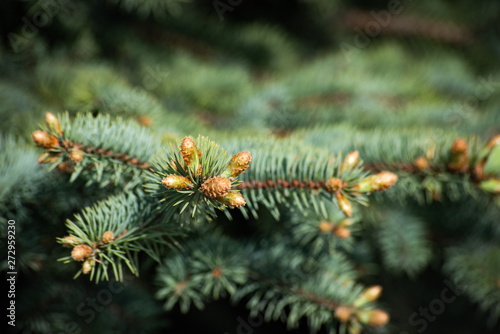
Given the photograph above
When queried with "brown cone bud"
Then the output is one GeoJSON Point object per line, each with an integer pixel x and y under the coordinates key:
{"type": "Point", "coordinates": [70, 241]}
{"type": "Point", "coordinates": [459, 158]}
{"type": "Point", "coordinates": [216, 186]}
{"type": "Point", "coordinates": [326, 227]}
{"type": "Point", "coordinates": [238, 164]}
{"type": "Point", "coordinates": [81, 252]}
{"type": "Point", "coordinates": [176, 182]}
{"type": "Point", "coordinates": [343, 313]}
{"type": "Point", "coordinates": [333, 185]}
{"type": "Point", "coordinates": [459, 146]}
{"type": "Point", "coordinates": [217, 272]}
{"type": "Point", "coordinates": [43, 139]}
{"type": "Point", "coordinates": [76, 155]}
{"type": "Point", "coordinates": [342, 232]}
{"type": "Point", "coordinates": [232, 199]}
{"type": "Point", "coordinates": [108, 237]}
{"type": "Point", "coordinates": [145, 121]}
{"type": "Point", "coordinates": [65, 167]}
{"type": "Point", "coordinates": [87, 266]}
{"type": "Point", "coordinates": [53, 123]}
{"type": "Point", "coordinates": [344, 204]}
{"type": "Point", "coordinates": [48, 158]}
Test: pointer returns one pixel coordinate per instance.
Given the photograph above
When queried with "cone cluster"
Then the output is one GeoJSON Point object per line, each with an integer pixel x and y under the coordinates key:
{"type": "Point", "coordinates": [216, 187]}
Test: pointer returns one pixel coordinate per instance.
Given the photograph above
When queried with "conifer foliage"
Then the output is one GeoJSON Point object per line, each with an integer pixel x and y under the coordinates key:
{"type": "Point", "coordinates": [169, 163]}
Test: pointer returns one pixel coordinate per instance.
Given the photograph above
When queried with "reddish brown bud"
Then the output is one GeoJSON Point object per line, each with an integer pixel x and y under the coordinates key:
{"type": "Point", "coordinates": [459, 146]}
{"type": "Point", "coordinates": [333, 185]}
{"type": "Point", "coordinates": [81, 252]}
{"type": "Point", "coordinates": [216, 186]}
{"type": "Point", "coordinates": [145, 121]}
{"type": "Point", "coordinates": [217, 272]}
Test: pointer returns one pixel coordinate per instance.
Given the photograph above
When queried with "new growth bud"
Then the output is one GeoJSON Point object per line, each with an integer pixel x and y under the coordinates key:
{"type": "Point", "coordinates": [380, 181]}
{"type": "Point", "coordinates": [459, 156]}
{"type": "Point", "coordinates": [76, 155]}
{"type": "Point", "coordinates": [53, 123]}
{"type": "Point", "coordinates": [343, 313]}
{"type": "Point", "coordinates": [491, 186]}
{"type": "Point", "coordinates": [70, 241]}
{"type": "Point", "coordinates": [43, 139]}
{"type": "Point", "coordinates": [369, 295]}
{"type": "Point", "coordinates": [87, 266]}
{"type": "Point", "coordinates": [238, 164]}
{"type": "Point", "coordinates": [350, 161]}
{"type": "Point", "coordinates": [108, 237]}
{"type": "Point", "coordinates": [344, 204]}
{"type": "Point", "coordinates": [176, 182]}
{"type": "Point", "coordinates": [81, 252]}
{"type": "Point", "coordinates": [375, 317]}
{"type": "Point", "coordinates": [190, 154]}
{"type": "Point", "coordinates": [232, 199]}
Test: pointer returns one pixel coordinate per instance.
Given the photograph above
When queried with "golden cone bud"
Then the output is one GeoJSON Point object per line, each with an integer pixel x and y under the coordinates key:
{"type": "Point", "coordinates": [176, 182]}
{"type": "Point", "coordinates": [216, 186]}
{"type": "Point", "coordinates": [422, 163]}
{"type": "Point", "coordinates": [342, 232]}
{"type": "Point", "coordinates": [232, 199]}
{"type": "Point", "coordinates": [43, 139]}
{"type": "Point", "coordinates": [381, 181]}
{"type": "Point", "coordinates": [76, 155]}
{"type": "Point", "coordinates": [238, 164]}
{"type": "Point", "coordinates": [344, 204]}
{"type": "Point", "coordinates": [370, 294]}
{"type": "Point", "coordinates": [108, 237]}
{"type": "Point", "coordinates": [343, 313]}
{"type": "Point", "coordinates": [81, 252]}
{"type": "Point", "coordinates": [325, 226]}
{"type": "Point", "coordinates": [350, 161]}
{"type": "Point", "coordinates": [378, 318]}
{"type": "Point", "coordinates": [333, 185]}
{"type": "Point", "coordinates": [53, 122]}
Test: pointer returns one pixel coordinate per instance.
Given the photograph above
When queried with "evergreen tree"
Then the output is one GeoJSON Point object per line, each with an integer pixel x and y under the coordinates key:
{"type": "Point", "coordinates": [250, 167]}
